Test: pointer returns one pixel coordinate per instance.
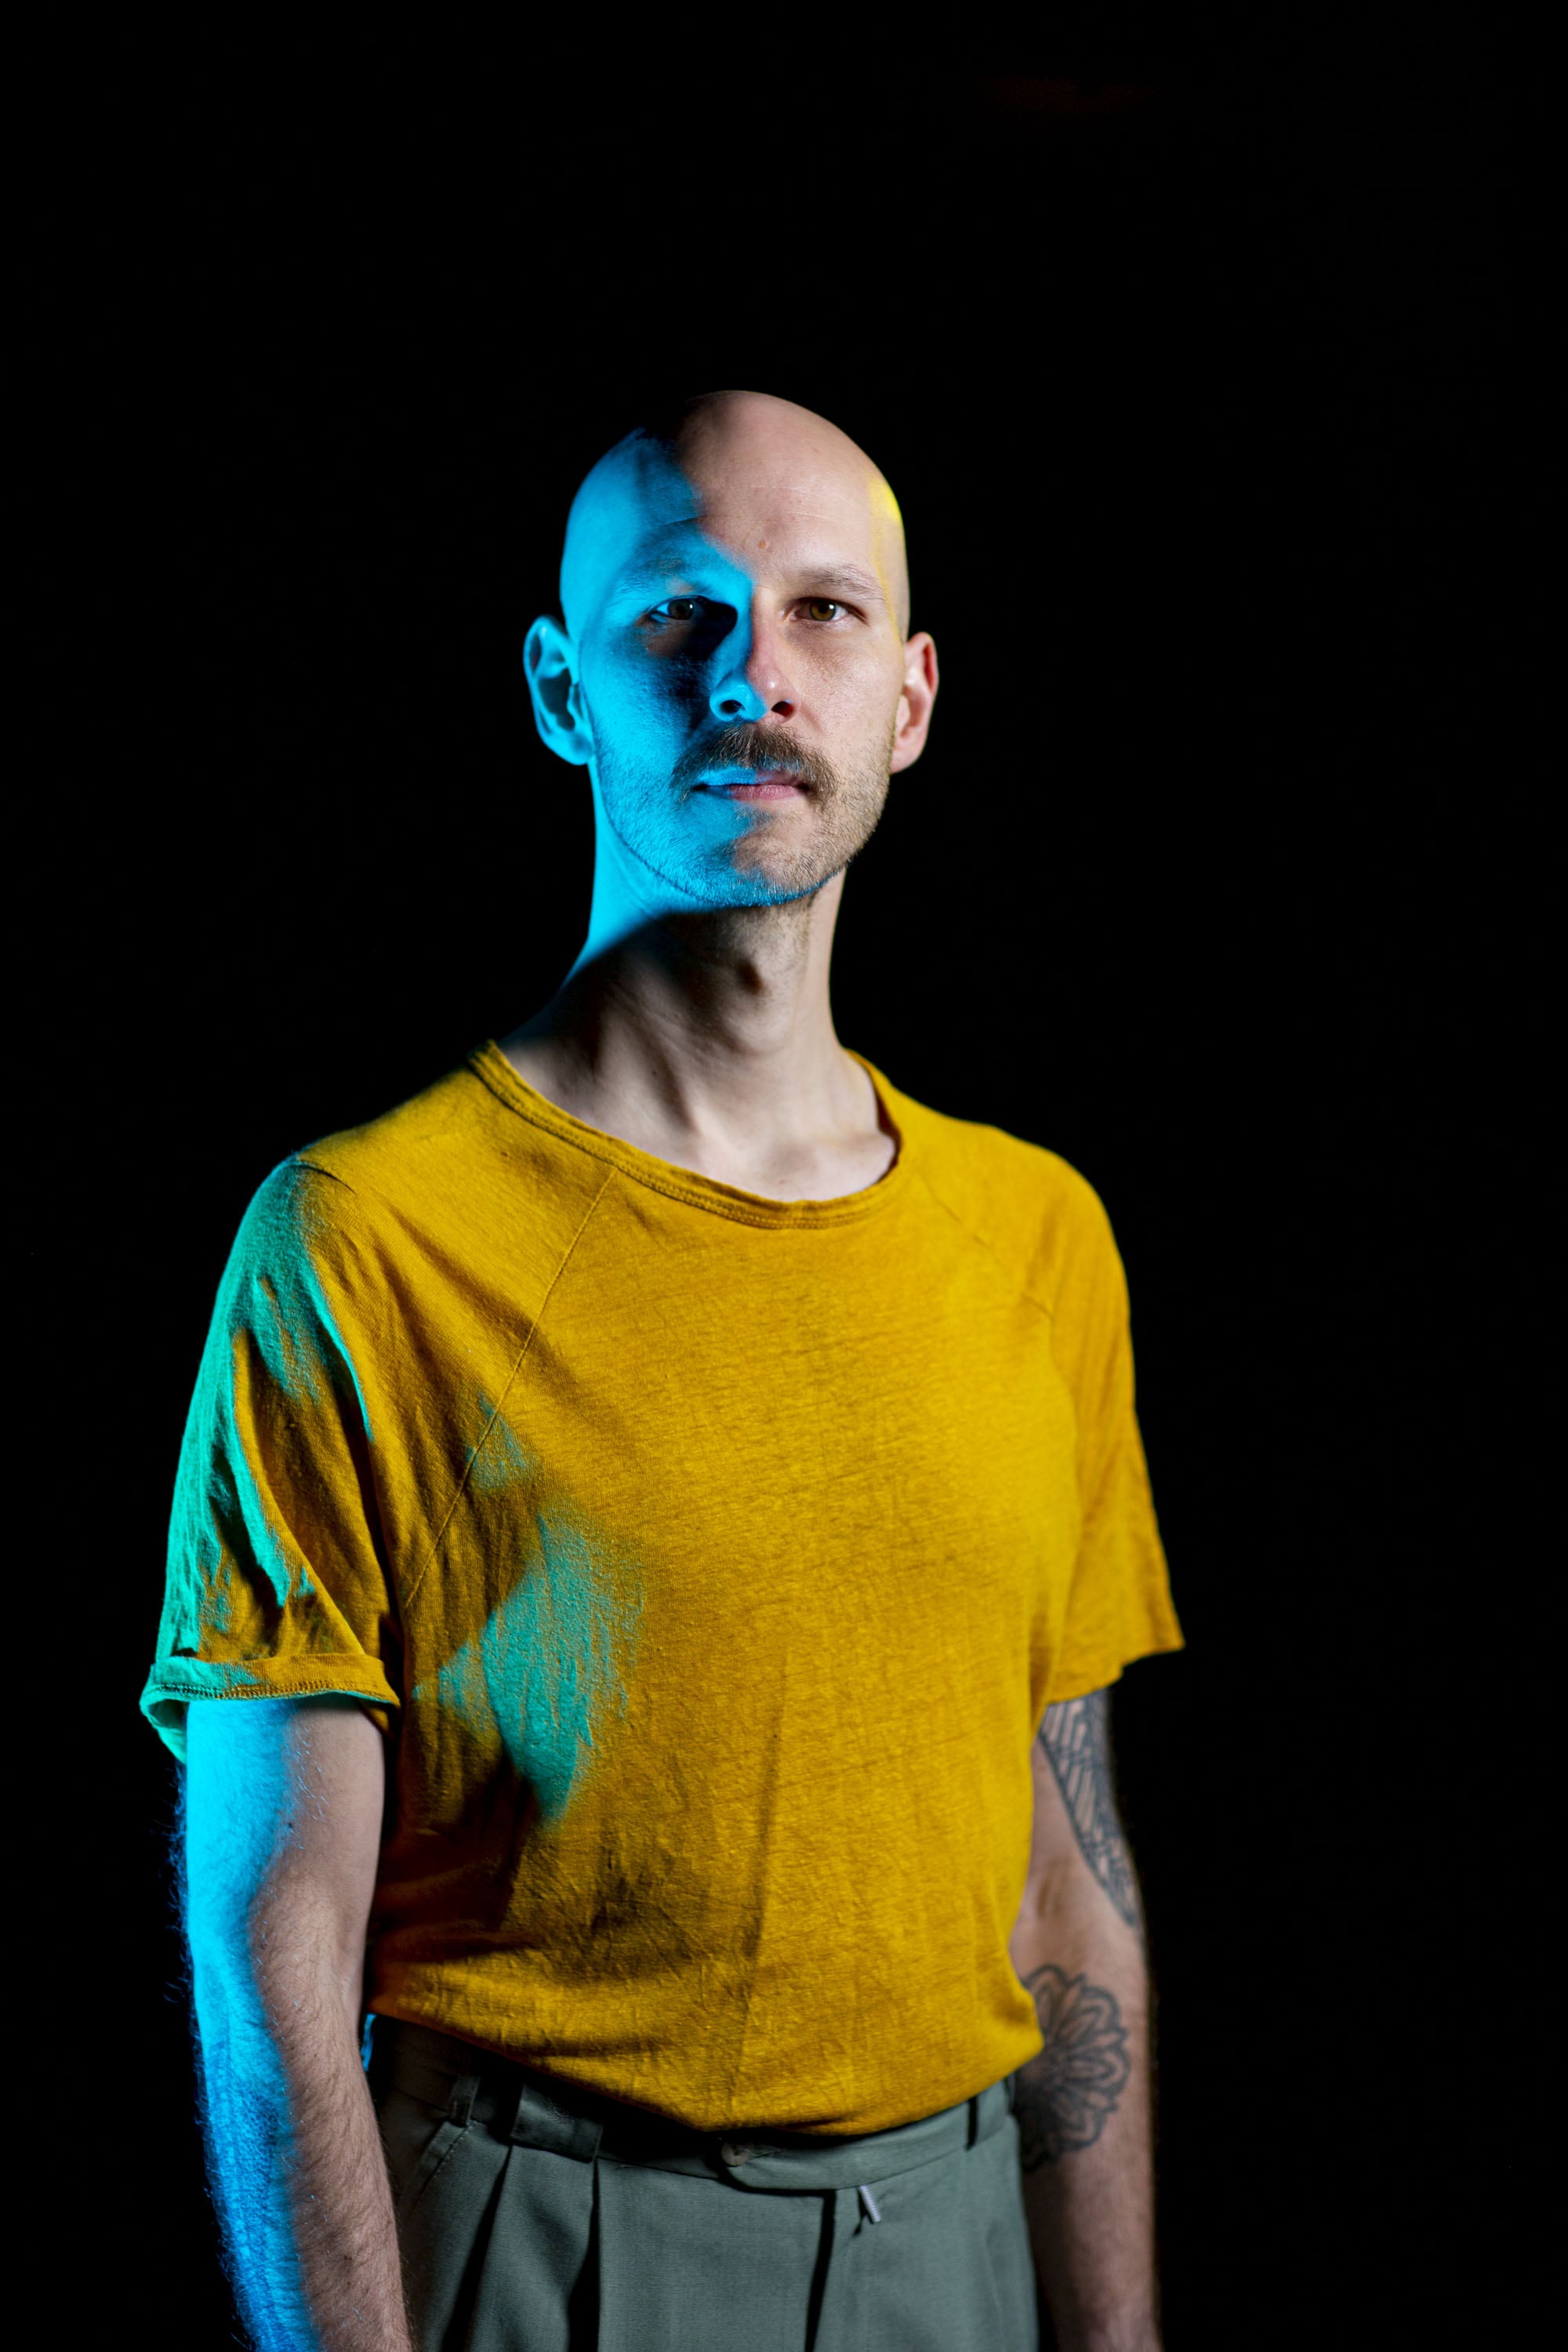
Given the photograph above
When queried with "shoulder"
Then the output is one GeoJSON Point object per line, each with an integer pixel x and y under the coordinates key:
{"type": "Point", "coordinates": [405, 1147]}
{"type": "Point", "coordinates": [290, 1215]}
{"type": "Point", "coordinates": [454, 1177]}
{"type": "Point", "coordinates": [326, 1205]}
{"type": "Point", "coordinates": [1025, 1203]}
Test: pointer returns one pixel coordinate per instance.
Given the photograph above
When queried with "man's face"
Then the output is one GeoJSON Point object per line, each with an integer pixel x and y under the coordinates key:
{"type": "Point", "coordinates": [740, 656]}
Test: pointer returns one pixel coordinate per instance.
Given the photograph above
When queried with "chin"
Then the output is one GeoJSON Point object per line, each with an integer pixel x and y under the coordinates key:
{"type": "Point", "coordinates": [756, 890]}
{"type": "Point", "coordinates": [759, 885]}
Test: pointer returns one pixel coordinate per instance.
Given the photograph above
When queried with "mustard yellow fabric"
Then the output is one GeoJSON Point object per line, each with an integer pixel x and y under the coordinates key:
{"type": "Point", "coordinates": [710, 1562]}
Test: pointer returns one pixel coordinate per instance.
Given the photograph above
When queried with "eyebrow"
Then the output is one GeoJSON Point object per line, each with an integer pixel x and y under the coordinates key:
{"type": "Point", "coordinates": [651, 562]}
{"type": "Point", "coordinates": [675, 556]}
{"type": "Point", "coordinates": [842, 575]}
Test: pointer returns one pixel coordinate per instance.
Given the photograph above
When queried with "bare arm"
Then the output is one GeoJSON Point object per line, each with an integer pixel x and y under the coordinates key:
{"type": "Point", "coordinates": [283, 1810]}
{"type": "Point", "coordinates": [1083, 2104]}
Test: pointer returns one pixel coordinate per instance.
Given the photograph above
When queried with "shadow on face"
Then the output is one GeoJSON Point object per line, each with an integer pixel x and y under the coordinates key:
{"type": "Point", "coordinates": [733, 667]}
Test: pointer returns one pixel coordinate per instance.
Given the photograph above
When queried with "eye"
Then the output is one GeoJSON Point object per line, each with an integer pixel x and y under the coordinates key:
{"type": "Point", "coordinates": [676, 608]}
{"type": "Point", "coordinates": [824, 609]}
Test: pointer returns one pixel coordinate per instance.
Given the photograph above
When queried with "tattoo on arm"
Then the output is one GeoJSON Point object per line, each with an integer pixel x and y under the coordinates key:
{"type": "Point", "coordinates": [1076, 1736]}
{"type": "Point", "coordinates": [1065, 2095]}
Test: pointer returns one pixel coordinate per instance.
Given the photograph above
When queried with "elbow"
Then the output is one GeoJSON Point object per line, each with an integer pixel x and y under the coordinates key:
{"type": "Point", "coordinates": [1068, 1917]}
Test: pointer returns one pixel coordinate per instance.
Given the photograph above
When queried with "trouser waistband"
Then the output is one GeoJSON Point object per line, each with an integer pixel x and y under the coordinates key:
{"type": "Point", "coordinates": [517, 2103]}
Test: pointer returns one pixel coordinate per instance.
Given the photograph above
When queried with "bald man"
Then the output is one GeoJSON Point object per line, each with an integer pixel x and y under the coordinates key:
{"type": "Point", "coordinates": [658, 1518]}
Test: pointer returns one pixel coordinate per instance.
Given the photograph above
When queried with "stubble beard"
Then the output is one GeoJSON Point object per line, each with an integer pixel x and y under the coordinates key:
{"type": "Point", "coordinates": [750, 870]}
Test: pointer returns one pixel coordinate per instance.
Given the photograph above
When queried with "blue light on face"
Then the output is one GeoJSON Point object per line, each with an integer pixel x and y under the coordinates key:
{"type": "Point", "coordinates": [735, 601]}
{"type": "Point", "coordinates": [664, 672]}
{"type": "Point", "coordinates": [651, 669]}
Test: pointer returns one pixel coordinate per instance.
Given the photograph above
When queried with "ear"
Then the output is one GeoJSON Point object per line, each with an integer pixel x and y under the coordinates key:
{"type": "Point", "coordinates": [549, 664]}
{"type": "Point", "coordinates": [915, 701]}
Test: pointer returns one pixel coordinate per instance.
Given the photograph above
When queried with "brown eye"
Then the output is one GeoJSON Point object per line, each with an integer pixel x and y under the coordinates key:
{"type": "Point", "coordinates": [822, 608]}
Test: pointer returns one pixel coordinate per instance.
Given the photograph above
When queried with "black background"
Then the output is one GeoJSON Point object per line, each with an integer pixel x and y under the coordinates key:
{"type": "Point", "coordinates": [1170, 352]}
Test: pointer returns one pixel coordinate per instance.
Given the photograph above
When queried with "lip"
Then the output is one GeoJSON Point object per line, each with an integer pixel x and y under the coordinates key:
{"type": "Point", "coordinates": [754, 784]}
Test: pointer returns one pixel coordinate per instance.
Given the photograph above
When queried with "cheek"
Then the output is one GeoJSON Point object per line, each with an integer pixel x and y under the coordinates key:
{"type": "Point", "coordinates": [858, 696]}
{"type": "Point", "coordinates": [637, 705]}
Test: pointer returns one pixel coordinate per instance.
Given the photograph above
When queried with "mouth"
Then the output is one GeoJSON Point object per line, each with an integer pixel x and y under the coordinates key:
{"type": "Point", "coordinates": [754, 784]}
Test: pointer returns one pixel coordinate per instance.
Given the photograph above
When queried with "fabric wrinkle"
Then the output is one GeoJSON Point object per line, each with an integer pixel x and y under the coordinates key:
{"type": "Point", "coordinates": [717, 1557]}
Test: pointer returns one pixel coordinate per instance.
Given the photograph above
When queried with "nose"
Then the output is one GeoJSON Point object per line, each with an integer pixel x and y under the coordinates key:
{"type": "Point", "coordinates": [754, 686]}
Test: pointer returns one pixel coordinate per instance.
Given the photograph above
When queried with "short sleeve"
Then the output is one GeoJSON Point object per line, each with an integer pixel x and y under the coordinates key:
{"type": "Point", "coordinates": [1119, 1601]}
{"type": "Point", "coordinates": [277, 1583]}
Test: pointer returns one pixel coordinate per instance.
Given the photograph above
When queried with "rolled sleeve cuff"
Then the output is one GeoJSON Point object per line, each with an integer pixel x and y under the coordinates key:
{"type": "Point", "coordinates": [174, 1682]}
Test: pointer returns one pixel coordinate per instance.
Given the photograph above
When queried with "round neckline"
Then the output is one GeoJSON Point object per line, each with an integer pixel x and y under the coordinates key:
{"type": "Point", "coordinates": [491, 1064]}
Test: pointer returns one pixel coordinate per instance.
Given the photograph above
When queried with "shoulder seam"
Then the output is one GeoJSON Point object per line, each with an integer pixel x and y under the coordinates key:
{"type": "Point", "coordinates": [981, 1243]}
{"type": "Point", "coordinates": [511, 1383]}
{"type": "Point", "coordinates": [303, 1160]}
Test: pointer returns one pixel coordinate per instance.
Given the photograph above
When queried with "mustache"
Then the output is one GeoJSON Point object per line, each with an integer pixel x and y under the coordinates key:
{"type": "Point", "coordinates": [751, 745]}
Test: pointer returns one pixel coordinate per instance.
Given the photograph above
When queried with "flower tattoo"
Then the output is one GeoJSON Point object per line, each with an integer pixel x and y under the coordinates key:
{"type": "Point", "coordinates": [1064, 2097]}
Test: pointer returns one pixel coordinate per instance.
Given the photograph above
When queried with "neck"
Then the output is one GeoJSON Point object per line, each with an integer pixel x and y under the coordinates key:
{"type": "Point", "coordinates": [705, 1037]}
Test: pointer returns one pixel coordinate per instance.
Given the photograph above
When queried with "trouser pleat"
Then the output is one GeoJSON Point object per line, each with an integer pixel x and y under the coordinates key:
{"type": "Point", "coordinates": [534, 2293]}
{"type": "Point", "coordinates": [694, 2265]}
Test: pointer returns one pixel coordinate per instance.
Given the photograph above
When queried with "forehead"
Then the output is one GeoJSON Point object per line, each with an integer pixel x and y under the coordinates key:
{"type": "Point", "coordinates": [755, 507]}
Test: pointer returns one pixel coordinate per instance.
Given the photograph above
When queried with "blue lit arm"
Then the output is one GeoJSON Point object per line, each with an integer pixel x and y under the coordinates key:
{"type": "Point", "coordinates": [283, 1812]}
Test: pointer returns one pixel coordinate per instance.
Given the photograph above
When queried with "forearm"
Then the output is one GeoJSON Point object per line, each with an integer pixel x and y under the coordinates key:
{"type": "Point", "coordinates": [298, 2169]}
{"type": "Point", "coordinates": [284, 1804]}
{"type": "Point", "coordinates": [1083, 2104]}
{"type": "Point", "coordinates": [1083, 2108]}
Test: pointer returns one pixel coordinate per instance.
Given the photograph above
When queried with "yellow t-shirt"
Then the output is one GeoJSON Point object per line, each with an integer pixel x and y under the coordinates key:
{"type": "Point", "coordinates": [710, 1562]}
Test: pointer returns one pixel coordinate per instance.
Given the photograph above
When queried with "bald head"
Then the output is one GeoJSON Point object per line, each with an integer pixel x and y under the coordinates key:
{"type": "Point", "coordinates": [753, 472]}
{"type": "Point", "coordinates": [735, 668]}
